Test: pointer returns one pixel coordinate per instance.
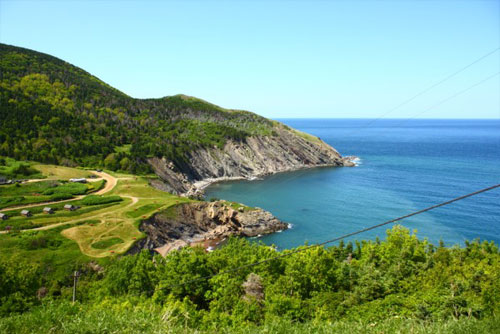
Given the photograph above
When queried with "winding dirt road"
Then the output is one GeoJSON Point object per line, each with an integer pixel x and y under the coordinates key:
{"type": "Point", "coordinates": [110, 184]}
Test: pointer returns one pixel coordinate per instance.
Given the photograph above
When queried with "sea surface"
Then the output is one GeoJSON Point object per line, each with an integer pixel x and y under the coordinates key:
{"type": "Point", "coordinates": [404, 166]}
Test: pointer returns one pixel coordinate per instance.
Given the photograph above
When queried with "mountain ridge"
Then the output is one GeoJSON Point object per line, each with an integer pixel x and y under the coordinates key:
{"type": "Point", "coordinates": [55, 112]}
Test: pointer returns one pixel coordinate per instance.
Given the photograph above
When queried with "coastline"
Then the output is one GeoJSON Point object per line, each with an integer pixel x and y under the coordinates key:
{"type": "Point", "coordinates": [199, 187]}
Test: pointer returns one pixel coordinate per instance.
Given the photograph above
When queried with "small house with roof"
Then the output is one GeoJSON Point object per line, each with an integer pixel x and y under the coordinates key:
{"type": "Point", "coordinates": [80, 180]}
{"type": "Point", "coordinates": [70, 207]}
{"type": "Point", "coordinates": [3, 216]}
{"type": "Point", "coordinates": [48, 210]}
{"type": "Point", "coordinates": [26, 213]}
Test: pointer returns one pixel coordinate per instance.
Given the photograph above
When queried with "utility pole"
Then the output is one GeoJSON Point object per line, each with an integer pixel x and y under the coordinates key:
{"type": "Point", "coordinates": [76, 274]}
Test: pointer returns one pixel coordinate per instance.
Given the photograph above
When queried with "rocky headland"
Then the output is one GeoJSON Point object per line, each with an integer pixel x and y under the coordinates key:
{"type": "Point", "coordinates": [252, 158]}
{"type": "Point", "coordinates": [205, 224]}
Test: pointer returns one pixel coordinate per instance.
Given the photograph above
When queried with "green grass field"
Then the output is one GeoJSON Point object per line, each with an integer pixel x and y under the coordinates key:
{"type": "Point", "coordinates": [43, 191]}
{"type": "Point", "coordinates": [122, 221]}
{"type": "Point", "coordinates": [53, 172]}
{"type": "Point", "coordinates": [43, 247]}
{"type": "Point", "coordinates": [115, 215]}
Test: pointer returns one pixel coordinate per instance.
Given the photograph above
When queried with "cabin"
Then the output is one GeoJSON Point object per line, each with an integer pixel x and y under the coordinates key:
{"type": "Point", "coordinates": [48, 210]}
{"type": "Point", "coordinates": [3, 179]}
{"type": "Point", "coordinates": [70, 207]}
{"type": "Point", "coordinates": [3, 216]}
{"type": "Point", "coordinates": [26, 213]}
{"type": "Point", "coordinates": [80, 180]}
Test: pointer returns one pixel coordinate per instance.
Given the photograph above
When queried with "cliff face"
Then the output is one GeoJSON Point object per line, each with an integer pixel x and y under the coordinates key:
{"type": "Point", "coordinates": [254, 157]}
{"type": "Point", "coordinates": [196, 223]}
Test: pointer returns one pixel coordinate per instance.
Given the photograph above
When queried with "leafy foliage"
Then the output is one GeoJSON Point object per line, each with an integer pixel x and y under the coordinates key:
{"type": "Point", "coordinates": [12, 169]}
{"type": "Point", "coordinates": [54, 112]}
{"type": "Point", "coordinates": [366, 282]}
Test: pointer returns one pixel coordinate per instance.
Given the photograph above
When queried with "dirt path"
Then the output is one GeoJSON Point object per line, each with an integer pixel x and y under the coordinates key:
{"type": "Point", "coordinates": [96, 217]}
{"type": "Point", "coordinates": [110, 184]}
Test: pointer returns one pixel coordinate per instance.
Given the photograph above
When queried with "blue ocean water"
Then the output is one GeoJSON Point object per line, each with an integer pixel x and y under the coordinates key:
{"type": "Point", "coordinates": [404, 167]}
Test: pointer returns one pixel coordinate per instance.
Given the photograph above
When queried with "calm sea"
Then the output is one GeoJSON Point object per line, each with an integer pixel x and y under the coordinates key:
{"type": "Point", "coordinates": [403, 167]}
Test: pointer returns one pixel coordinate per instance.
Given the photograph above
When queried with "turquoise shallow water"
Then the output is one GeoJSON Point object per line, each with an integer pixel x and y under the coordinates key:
{"type": "Point", "coordinates": [404, 167]}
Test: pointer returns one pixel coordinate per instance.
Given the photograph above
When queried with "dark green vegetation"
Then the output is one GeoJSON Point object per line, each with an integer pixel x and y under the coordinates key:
{"type": "Point", "coordinates": [401, 284]}
{"type": "Point", "coordinates": [98, 200]}
{"type": "Point", "coordinates": [54, 112]}
{"type": "Point", "coordinates": [128, 318]}
{"type": "Point", "coordinates": [10, 169]}
{"type": "Point", "coordinates": [43, 191]}
{"type": "Point", "coordinates": [32, 259]}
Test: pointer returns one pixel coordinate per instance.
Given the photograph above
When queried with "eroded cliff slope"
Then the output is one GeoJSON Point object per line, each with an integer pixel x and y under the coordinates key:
{"type": "Point", "coordinates": [255, 156]}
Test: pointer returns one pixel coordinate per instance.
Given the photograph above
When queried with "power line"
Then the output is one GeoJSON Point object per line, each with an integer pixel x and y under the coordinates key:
{"type": "Point", "coordinates": [447, 99]}
{"type": "Point", "coordinates": [335, 239]}
{"type": "Point", "coordinates": [430, 88]}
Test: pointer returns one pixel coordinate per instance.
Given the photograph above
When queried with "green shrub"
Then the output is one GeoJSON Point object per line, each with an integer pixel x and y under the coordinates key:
{"type": "Point", "coordinates": [60, 197]}
{"type": "Point", "coordinates": [96, 200]}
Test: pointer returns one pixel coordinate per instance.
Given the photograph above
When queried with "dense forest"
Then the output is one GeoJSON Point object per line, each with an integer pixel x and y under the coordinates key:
{"type": "Point", "coordinates": [54, 112]}
{"type": "Point", "coordinates": [399, 282]}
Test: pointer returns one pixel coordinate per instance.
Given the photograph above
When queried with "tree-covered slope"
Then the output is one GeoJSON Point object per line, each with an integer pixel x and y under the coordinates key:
{"type": "Point", "coordinates": [365, 286]}
{"type": "Point", "coordinates": [52, 111]}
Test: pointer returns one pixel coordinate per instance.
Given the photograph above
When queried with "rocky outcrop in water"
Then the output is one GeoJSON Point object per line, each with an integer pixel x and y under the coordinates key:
{"type": "Point", "coordinates": [256, 156]}
{"type": "Point", "coordinates": [196, 223]}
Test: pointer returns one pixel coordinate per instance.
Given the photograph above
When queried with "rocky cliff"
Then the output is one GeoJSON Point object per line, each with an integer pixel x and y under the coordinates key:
{"type": "Point", "coordinates": [255, 156]}
{"type": "Point", "coordinates": [203, 222]}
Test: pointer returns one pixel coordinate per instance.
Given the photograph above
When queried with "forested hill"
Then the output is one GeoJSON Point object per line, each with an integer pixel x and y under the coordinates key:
{"type": "Point", "coordinates": [52, 111]}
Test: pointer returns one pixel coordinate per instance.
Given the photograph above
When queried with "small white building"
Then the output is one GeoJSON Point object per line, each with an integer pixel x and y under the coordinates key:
{"type": "Point", "coordinates": [48, 210]}
{"type": "Point", "coordinates": [80, 180]}
{"type": "Point", "coordinates": [26, 213]}
{"type": "Point", "coordinates": [70, 207]}
{"type": "Point", "coordinates": [3, 216]}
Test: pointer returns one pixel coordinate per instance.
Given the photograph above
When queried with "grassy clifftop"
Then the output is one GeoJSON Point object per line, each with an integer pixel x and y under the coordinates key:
{"type": "Point", "coordinates": [55, 112]}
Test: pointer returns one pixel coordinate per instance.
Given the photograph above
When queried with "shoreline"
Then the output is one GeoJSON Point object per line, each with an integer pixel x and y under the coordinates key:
{"type": "Point", "coordinates": [200, 186]}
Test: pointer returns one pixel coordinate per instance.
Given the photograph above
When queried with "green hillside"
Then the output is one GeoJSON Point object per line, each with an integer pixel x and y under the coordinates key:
{"type": "Point", "coordinates": [57, 113]}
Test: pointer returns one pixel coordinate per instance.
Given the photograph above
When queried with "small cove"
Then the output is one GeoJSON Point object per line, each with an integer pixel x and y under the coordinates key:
{"type": "Point", "coordinates": [402, 169]}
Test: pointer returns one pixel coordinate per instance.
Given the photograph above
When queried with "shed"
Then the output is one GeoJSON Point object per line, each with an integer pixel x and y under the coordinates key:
{"type": "Point", "coordinates": [3, 216]}
{"type": "Point", "coordinates": [80, 180]}
{"type": "Point", "coordinates": [48, 210]}
{"type": "Point", "coordinates": [26, 213]}
{"type": "Point", "coordinates": [70, 207]}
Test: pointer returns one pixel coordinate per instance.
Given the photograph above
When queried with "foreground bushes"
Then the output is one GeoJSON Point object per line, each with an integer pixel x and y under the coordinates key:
{"type": "Point", "coordinates": [124, 318]}
{"type": "Point", "coordinates": [346, 287]}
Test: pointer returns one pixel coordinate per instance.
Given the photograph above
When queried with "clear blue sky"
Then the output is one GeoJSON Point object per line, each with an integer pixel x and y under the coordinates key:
{"type": "Point", "coordinates": [279, 59]}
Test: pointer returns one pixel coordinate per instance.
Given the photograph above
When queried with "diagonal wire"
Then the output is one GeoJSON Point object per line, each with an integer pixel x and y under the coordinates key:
{"type": "Point", "coordinates": [447, 99]}
{"type": "Point", "coordinates": [429, 88]}
{"type": "Point", "coordinates": [232, 270]}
